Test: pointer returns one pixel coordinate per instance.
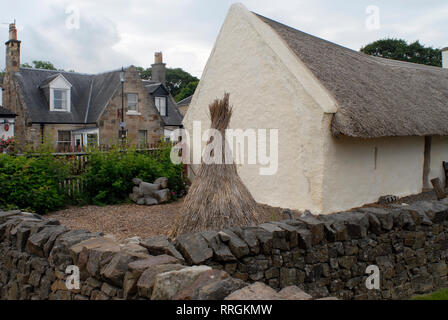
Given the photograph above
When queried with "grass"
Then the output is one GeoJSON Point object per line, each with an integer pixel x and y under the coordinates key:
{"type": "Point", "coordinates": [438, 295]}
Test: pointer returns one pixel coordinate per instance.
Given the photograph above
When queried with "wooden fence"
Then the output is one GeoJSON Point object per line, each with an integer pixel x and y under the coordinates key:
{"type": "Point", "coordinates": [78, 159]}
{"type": "Point", "coordinates": [72, 186]}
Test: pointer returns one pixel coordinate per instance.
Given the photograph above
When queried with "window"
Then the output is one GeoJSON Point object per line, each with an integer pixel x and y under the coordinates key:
{"type": "Point", "coordinates": [167, 134]}
{"type": "Point", "coordinates": [161, 105]}
{"type": "Point", "coordinates": [142, 138]}
{"type": "Point", "coordinates": [92, 139]}
{"type": "Point", "coordinates": [60, 99]}
{"type": "Point", "coordinates": [132, 102]}
{"type": "Point", "coordinates": [64, 140]}
{"type": "Point", "coordinates": [57, 90]}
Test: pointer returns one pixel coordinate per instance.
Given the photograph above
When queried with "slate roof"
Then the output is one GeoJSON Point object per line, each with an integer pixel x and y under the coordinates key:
{"type": "Point", "coordinates": [6, 113]}
{"type": "Point", "coordinates": [185, 102]}
{"type": "Point", "coordinates": [90, 94]}
{"type": "Point", "coordinates": [375, 97]}
{"type": "Point", "coordinates": [174, 117]}
{"type": "Point", "coordinates": [30, 80]}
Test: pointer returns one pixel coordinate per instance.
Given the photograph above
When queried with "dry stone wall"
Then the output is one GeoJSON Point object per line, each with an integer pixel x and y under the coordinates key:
{"type": "Point", "coordinates": [322, 255]}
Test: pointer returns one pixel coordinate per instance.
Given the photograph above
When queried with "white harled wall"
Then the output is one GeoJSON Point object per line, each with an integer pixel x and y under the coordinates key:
{"type": "Point", "coordinates": [271, 88]}
{"type": "Point", "coordinates": [359, 171]}
{"type": "Point", "coordinates": [265, 94]}
{"type": "Point", "coordinates": [439, 153]}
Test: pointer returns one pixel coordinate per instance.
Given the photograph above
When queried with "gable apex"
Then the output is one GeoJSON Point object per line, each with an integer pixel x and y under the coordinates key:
{"type": "Point", "coordinates": [57, 80]}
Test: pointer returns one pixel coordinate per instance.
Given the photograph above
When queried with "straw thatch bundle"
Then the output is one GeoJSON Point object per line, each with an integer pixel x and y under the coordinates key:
{"type": "Point", "coordinates": [217, 199]}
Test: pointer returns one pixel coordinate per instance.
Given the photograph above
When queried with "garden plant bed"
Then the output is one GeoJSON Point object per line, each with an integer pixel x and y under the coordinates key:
{"type": "Point", "coordinates": [130, 220]}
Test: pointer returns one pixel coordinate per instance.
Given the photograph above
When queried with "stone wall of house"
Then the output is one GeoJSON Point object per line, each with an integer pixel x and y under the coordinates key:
{"type": "Point", "coordinates": [50, 132]}
{"type": "Point", "coordinates": [11, 99]}
{"type": "Point", "coordinates": [147, 118]}
{"type": "Point", "coordinates": [323, 255]}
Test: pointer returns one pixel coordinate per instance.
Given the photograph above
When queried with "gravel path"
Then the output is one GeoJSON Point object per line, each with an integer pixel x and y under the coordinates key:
{"type": "Point", "coordinates": [129, 220]}
{"type": "Point", "coordinates": [123, 221]}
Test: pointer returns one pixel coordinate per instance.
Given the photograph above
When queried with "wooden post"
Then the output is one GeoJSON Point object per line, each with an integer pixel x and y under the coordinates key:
{"type": "Point", "coordinates": [438, 188]}
{"type": "Point", "coordinates": [445, 169]}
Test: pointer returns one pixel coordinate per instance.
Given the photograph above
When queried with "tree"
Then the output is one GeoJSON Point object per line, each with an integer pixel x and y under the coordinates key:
{"type": "Point", "coordinates": [38, 64]}
{"type": "Point", "coordinates": [177, 80]}
{"type": "Point", "coordinates": [399, 49]}
{"type": "Point", "coordinates": [145, 74]}
{"type": "Point", "coordinates": [186, 91]}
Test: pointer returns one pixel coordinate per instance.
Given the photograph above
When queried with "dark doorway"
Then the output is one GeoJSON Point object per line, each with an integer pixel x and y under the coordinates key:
{"type": "Point", "coordinates": [427, 164]}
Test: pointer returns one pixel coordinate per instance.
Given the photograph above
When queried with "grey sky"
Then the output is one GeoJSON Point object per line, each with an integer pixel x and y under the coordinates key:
{"type": "Point", "coordinates": [116, 33]}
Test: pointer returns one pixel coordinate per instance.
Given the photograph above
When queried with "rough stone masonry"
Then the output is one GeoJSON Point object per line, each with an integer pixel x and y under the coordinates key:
{"type": "Point", "coordinates": [320, 255]}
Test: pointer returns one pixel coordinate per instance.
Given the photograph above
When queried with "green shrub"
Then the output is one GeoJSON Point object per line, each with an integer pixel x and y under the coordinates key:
{"type": "Point", "coordinates": [32, 183]}
{"type": "Point", "coordinates": [109, 174]}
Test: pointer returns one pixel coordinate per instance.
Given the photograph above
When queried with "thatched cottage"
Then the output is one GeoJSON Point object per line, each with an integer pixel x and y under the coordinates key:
{"type": "Point", "coordinates": [352, 127]}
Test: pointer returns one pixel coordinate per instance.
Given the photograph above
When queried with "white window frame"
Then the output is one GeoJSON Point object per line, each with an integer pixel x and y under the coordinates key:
{"type": "Point", "coordinates": [65, 142]}
{"type": "Point", "coordinates": [132, 112]}
{"type": "Point", "coordinates": [84, 133]}
{"type": "Point", "coordinates": [60, 83]}
{"type": "Point", "coordinates": [63, 100]}
{"type": "Point", "coordinates": [157, 103]}
{"type": "Point", "coordinates": [145, 137]}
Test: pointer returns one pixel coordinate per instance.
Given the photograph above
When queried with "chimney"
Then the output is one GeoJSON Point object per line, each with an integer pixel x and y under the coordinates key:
{"type": "Point", "coordinates": [445, 58]}
{"type": "Point", "coordinates": [158, 72]}
{"type": "Point", "coordinates": [12, 50]}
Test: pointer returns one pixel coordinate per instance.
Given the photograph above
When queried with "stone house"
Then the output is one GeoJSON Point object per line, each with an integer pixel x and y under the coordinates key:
{"type": "Point", "coordinates": [351, 127]}
{"type": "Point", "coordinates": [76, 109]}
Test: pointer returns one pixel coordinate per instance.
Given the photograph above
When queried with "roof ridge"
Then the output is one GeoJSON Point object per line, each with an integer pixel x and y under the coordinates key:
{"type": "Point", "coordinates": [376, 97]}
{"type": "Point", "coordinates": [60, 71]}
{"type": "Point", "coordinates": [349, 50]}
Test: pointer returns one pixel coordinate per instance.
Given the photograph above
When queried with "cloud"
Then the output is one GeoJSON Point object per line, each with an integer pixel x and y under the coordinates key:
{"type": "Point", "coordinates": [116, 33]}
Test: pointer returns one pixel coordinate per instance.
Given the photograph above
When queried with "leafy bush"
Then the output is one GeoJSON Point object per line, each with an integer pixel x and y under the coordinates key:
{"type": "Point", "coordinates": [31, 183]}
{"type": "Point", "coordinates": [109, 174]}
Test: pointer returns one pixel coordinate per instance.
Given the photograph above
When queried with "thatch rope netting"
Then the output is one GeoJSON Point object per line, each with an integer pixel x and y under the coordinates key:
{"type": "Point", "coordinates": [217, 198]}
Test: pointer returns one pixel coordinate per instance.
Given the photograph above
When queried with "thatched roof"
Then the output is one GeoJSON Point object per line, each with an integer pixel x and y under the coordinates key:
{"type": "Point", "coordinates": [375, 97]}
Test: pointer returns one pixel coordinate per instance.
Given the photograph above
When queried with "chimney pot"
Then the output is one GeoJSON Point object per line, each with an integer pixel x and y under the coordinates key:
{"type": "Point", "coordinates": [158, 68]}
{"type": "Point", "coordinates": [12, 50]}
{"type": "Point", "coordinates": [158, 57]}
{"type": "Point", "coordinates": [12, 31]}
{"type": "Point", "coordinates": [445, 58]}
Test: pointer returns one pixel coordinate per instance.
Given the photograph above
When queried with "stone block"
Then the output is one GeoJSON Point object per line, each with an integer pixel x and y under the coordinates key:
{"type": "Point", "coordinates": [194, 248]}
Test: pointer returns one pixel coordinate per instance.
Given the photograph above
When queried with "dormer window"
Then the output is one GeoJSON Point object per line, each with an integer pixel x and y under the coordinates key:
{"type": "Point", "coordinates": [161, 105]}
{"type": "Point", "coordinates": [60, 99]}
{"type": "Point", "coordinates": [57, 90]}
